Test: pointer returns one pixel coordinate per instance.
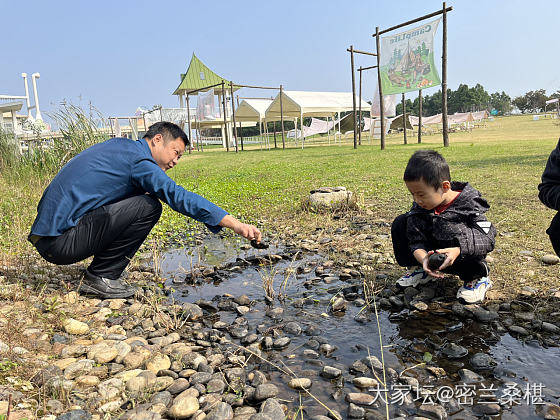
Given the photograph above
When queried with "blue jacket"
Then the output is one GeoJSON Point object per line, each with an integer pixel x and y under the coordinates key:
{"type": "Point", "coordinates": [109, 172]}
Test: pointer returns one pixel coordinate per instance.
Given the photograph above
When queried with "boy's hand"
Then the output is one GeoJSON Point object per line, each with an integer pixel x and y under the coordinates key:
{"type": "Point", "coordinates": [425, 266]}
{"type": "Point", "coordinates": [451, 256]}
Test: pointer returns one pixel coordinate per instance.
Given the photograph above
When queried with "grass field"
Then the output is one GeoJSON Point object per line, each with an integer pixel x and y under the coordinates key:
{"type": "Point", "coordinates": [504, 160]}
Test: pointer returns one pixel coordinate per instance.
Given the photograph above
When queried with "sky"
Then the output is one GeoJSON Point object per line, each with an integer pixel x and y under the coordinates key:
{"type": "Point", "coordinates": [118, 55]}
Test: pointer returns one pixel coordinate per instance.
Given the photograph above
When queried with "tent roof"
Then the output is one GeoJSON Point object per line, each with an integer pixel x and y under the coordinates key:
{"type": "Point", "coordinates": [252, 109]}
{"type": "Point", "coordinates": [397, 122]}
{"type": "Point", "coordinates": [198, 76]}
{"type": "Point", "coordinates": [312, 104]}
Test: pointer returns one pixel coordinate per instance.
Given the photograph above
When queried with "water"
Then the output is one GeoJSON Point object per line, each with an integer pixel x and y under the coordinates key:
{"type": "Point", "coordinates": [406, 342]}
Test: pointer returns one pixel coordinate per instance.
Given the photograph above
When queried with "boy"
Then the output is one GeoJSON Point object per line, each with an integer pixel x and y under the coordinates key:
{"type": "Point", "coordinates": [549, 194]}
{"type": "Point", "coordinates": [448, 218]}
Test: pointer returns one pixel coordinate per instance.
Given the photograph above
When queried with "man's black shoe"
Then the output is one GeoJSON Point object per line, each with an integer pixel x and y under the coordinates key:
{"type": "Point", "coordinates": [105, 288]}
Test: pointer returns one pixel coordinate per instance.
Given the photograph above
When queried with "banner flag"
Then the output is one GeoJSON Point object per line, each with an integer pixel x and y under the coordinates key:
{"type": "Point", "coordinates": [205, 106]}
{"type": "Point", "coordinates": [389, 104]}
{"type": "Point", "coordinates": [407, 60]}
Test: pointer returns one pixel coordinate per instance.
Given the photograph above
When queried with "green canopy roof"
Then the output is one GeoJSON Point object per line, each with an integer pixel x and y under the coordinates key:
{"type": "Point", "coordinates": [198, 76]}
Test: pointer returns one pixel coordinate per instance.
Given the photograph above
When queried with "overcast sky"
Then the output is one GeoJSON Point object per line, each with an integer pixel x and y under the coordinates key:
{"type": "Point", "coordinates": [123, 54]}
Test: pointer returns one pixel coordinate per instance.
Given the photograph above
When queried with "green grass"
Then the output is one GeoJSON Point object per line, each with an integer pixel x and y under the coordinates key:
{"type": "Point", "coordinates": [504, 160]}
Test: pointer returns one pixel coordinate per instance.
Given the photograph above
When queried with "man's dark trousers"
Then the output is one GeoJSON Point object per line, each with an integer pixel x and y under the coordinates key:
{"type": "Point", "coordinates": [111, 233]}
{"type": "Point", "coordinates": [467, 268]}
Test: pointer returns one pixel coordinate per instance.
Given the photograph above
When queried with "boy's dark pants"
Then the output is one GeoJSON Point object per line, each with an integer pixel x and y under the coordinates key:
{"type": "Point", "coordinates": [467, 269]}
{"type": "Point", "coordinates": [111, 233]}
{"type": "Point", "coordinates": [554, 233]}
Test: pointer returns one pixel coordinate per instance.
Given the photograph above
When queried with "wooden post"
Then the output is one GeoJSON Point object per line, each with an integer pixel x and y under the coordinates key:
{"type": "Point", "coordinates": [404, 118]}
{"type": "Point", "coordinates": [282, 119]}
{"type": "Point", "coordinates": [444, 81]}
{"type": "Point", "coordinates": [189, 121]}
{"type": "Point", "coordinates": [240, 127]}
{"type": "Point", "coordinates": [381, 107]}
{"type": "Point", "coordinates": [360, 111]}
{"type": "Point", "coordinates": [233, 117]}
{"type": "Point", "coordinates": [353, 95]}
{"type": "Point", "coordinates": [225, 121]}
{"type": "Point", "coordinates": [419, 116]}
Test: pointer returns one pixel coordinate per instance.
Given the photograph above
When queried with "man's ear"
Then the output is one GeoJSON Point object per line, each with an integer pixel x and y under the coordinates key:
{"type": "Point", "coordinates": [446, 186]}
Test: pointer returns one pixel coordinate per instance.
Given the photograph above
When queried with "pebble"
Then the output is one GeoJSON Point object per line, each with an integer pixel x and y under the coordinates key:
{"type": "Point", "coordinates": [330, 372]}
{"type": "Point", "coordinates": [360, 398]}
{"type": "Point", "coordinates": [183, 407]}
{"type": "Point", "coordinates": [300, 383]}
{"type": "Point", "coordinates": [75, 327]}
{"type": "Point", "coordinates": [550, 259]}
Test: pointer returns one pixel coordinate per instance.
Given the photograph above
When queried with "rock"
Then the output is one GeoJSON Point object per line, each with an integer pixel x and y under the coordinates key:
{"type": "Point", "coordinates": [483, 315]}
{"type": "Point", "coordinates": [158, 362]}
{"type": "Point", "coordinates": [75, 327]}
{"type": "Point", "coordinates": [486, 410]}
{"type": "Point", "coordinates": [191, 311]}
{"type": "Point", "coordinates": [272, 409]}
{"type": "Point", "coordinates": [221, 411]}
{"type": "Point", "coordinates": [525, 316]}
{"type": "Point", "coordinates": [364, 382]}
{"type": "Point", "coordinates": [55, 406]}
{"type": "Point", "coordinates": [292, 328]}
{"type": "Point", "coordinates": [178, 386]}
{"type": "Point", "coordinates": [45, 374]}
{"type": "Point", "coordinates": [81, 367]}
{"type": "Point", "coordinates": [300, 383]}
{"type": "Point", "coordinates": [432, 411]}
{"type": "Point", "coordinates": [330, 372]}
{"type": "Point", "coordinates": [454, 351]}
{"type": "Point", "coordinates": [359, 398]}
{"type": "Point", "coordinates": [372, 362]}
{"type": "Point", "coordinates": [215, 385]}
{"type": "Point", "coordinates": [482, 361]}
{"type": "Point", "coordinates": [419, 305]}
{"type": "Point", "coordinates": [550, 328]}
{"type": "Point", "coordinates": [469, 376]}
{"type": "Point", "coordinates": [4, 348]}
{"type": "Point", "coordinates": [339, 305]}
{"type": "Point", "coordinates": [265, 391]}
{"type": "Point", "coordinates": [327, 198]}
{"type": "Point", "coordinates": [282, 342]}
{"type": "Point", "coordinates": [183, 407]}
{"type": "Point", "coordinates": [356, 412]}
{"type": "Point", "coordinates": [550, 259]}
{"type": "Point", "coordinates": [548, 411]}
{"type": "Point", "coordinates": [516, 329]}
{"type": "Point", "coordinates": [75, 415]}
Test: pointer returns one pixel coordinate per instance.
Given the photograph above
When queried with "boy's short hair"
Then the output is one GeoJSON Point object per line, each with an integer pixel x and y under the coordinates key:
{"type": "Point", "coordinates": [169, 132]}
{"type": "Point", "coordinates": [429, 166]}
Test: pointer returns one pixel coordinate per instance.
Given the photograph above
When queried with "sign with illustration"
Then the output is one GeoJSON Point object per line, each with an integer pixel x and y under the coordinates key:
{"type": "Point", "coordinates": [407, 60]}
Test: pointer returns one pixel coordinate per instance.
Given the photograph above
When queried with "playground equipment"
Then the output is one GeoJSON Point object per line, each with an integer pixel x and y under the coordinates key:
{"type": "Point", "coordinates": [12, 104]}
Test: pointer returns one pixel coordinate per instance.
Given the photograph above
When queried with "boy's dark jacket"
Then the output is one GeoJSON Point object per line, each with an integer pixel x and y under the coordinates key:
{"type": "Point", "coordinates": [549, 188]}
{"type": "Point", "coordinates": [463, 224]}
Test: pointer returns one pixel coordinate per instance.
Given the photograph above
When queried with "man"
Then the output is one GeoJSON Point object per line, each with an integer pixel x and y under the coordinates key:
{"type": "Point", "coordinates": [104, 202]}
{"type": "Point", "coordinates": [549, 194]}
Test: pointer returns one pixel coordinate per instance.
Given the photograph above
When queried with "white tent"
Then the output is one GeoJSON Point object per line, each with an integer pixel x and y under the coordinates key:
{"type": "Point", "coordinates": [312, 104]}
{"type": "Point", "coordinates": [252, 110]}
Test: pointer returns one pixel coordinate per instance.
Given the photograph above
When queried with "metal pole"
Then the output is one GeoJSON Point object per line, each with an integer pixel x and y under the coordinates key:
{"type": "Point", "coordinates": [353, 95]}
{"type": "Point", "coordinates": [189, 121]}
{"type": "Point", "coordinates": [404, 118]}
{"type": "Point", "coordinates": [225, 121]}
{"type": "Point", "coordinates": [444, 80]}
{"type": "Point", "coordinates": [419, 116]}
{"type": "Point", "coordinates": [240, 127]}
{"type": "Point", "coordinates": [381, 107]}
{"type": "Point", "coordinates": [282, 118]}
{"type": "Point", "coordinates": [233, 117]}
{"type": "Point", "coordinates": [360, 111]}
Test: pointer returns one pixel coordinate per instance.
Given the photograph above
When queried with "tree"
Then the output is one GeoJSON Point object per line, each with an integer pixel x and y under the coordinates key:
{"type": "Point", "coordinates": [501, 102]}
{"type": "Point", "coordinates": [532, 101]}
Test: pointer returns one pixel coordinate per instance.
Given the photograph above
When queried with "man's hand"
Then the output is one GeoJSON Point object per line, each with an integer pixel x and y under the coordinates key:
{"type": "Point", "coordinates": [249, 232]}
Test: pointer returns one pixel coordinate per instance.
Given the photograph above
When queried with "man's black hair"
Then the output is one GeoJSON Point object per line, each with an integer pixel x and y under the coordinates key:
{"type": "Point", "coordinates": [169, 132]}
{"type": "Point", "coordinates": [427, 165]}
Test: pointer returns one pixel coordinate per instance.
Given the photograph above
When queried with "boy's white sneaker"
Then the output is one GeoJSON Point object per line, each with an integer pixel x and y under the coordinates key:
{"type": "Point", "coordinates": [415, 278]}
{"type": "Point", "coordinates": [474, 291]}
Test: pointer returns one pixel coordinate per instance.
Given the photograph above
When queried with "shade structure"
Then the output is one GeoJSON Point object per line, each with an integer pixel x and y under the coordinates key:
{"type": "Point", "coordinates": [198, 76]}
{"type": "Point", "coordinates": [312, 104]}
{"type": "Point", "coordinates": [252, 110]}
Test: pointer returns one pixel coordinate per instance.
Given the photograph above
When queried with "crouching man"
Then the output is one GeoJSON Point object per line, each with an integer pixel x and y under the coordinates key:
{"type": "Point", "coordinates": [104, 202]}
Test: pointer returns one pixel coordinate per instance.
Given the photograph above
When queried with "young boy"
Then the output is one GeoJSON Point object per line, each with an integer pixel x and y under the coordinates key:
{"type": "Point", "coordinates": [448, 218]}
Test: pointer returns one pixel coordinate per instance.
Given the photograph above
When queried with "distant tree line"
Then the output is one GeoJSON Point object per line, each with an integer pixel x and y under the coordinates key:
{"type": "Point", "coordinates": [476, 98]}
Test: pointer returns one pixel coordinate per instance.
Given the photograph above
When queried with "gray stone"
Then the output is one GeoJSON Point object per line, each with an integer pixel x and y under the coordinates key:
{"type": "Point", "coordinates": [550, 328]}
{"type": "Point", "coordinates": [469, 376]}
{"type": "Point", "coordinates": [432, 411]}
{"type": "Point", "coordinates": [265, 391]}
{"type": "Point", "coordinates": [272, 409]}
{"type": "Point", "coordinates": [292, 328]}
{"type": "Point", "coordinates": [75, 415]}
{"type": "Point", "coordinates": [339, 305]}
{"type": "Point", "coordinates": [300, 383]}
{"type": "Point", "coordinates": [550, 259]}
{"type": "Point", "coordinates": [483, 315]}
{"type": "Point", "coordinates": [191, 311]}
{"type": "Point", "coordinates": [454, 351]}
{"type": "Point", "coordinates": [486, 409]}
{"type": "Point", "coordinates": [328, 198]}
{"type": "Point", "coordinates": [482, 361]}
{"type": "Point", "coordinates": [222, 411]}
{"type": "Point", "coordinates": [330, 372]}
{"type": "Point", "coordinates": [163, 397]}
{"type": "Point", "coordinates": [183, 407]}
{"type": "Point", "coordinates": [178, 386]}
{"type": "Point", "coordinates": [364, 382]}
{"type": "Point", "coordinates": [360, 398]}
{"type": "Point", "coordinates": [356, 412]}
{"type": "Point", "coordinates": [282, 342]}
{"type": "Point", "coordinates": [215, 385]}
{"type": "Point", "coordinates": [548, 411]}
{"type": "Point", "coordinates": [516, 329]}
{"type": "Point", "coordinates": [372, 362]}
